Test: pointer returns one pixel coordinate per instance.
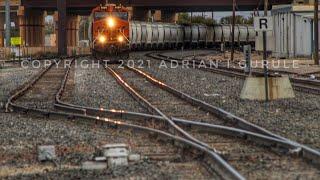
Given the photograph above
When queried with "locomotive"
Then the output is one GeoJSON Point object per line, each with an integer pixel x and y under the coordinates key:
{"type": "Point", "coordinates": [111, 32]}
{"type": "Point", "coordinates": [109, 29]}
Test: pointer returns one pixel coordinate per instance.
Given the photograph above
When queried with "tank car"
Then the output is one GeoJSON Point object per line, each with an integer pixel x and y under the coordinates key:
{"type": "Point", "coordinates": [210, 36]}
{"type": "Point", "coordinates": [180, 36]}
{"type": "Point", "coordinates": [218, 34]}
{"type": "Point", "coordinates": [155, 36]}
{"type": "Point", "coordinates": [160, 36]}
{"type": "Point", "coordinates": [202, 35]}
{"type": "Point", "coordinates": [187, 36]}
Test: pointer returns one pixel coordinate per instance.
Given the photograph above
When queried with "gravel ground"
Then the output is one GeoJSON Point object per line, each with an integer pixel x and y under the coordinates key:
{"type": "Point", "coordinates": [42, 94]}
{"type": "Point", "coordinates": [189, 53]}
{"type": "Point", "coordinates": [94, 87]}
{"type": "Point", "coordinates": [294, 67]}
{"type": "Point", "coordinates": [143, 170]}
{"type": "Point", "coordinates": [251, 161]}
{"type": "Point", "coordinates": [75, 143]}
{"type": "Point", "coordinates": [12, 77]}
{"type": "Point", "coordinates": [296, 118]}
{"type": "Point", "coordinates": [20, 136]}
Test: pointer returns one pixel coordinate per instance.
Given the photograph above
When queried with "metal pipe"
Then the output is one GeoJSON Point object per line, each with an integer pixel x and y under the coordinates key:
{"type": "Point", "coordinates": [8, 23]}
{"type": "Point", "coordinates": [265, 64]}
{"type": "Point", "coordinates": [233, 24]}
{"type": "Point", "coordinates": [316, 33]}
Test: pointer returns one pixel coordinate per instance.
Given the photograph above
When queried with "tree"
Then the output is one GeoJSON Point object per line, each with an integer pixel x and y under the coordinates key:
{"type": "Point", "coordinates": [49, 27]}
{"type": "Point", "coordinates": [184, 18]}
{"type": "Point", "coordinates": [238, 20]}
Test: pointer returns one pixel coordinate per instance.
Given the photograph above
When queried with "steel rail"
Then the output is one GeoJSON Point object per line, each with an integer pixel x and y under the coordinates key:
{"type": "Point", "coordinates": [218, 112]}
{"type": "Point", "coordinates": [213, 160]}
{"type": "Point", "coordinates": [260, 139]}
{"type": "Point", "coordinates": [137, 115]}
{"type": "Point", "coordinates": [222, 163]}
{"type": "Point", "coordinates": [222, 130]}
{"type": "Point", "coordinates": [308, 153]}
{"type": "Point", "coordinates": [293, 79]}
{"type": "Point", "coordinates": [152, 108]}
{"type": "Point", "coordinates": [20, 91]}
{"type": "Point", "coordinates": [299, 84]}
{"type": "Point", "coordinates": [305, 152]}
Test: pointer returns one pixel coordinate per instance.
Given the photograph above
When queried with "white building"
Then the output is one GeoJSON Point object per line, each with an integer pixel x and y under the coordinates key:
{"type": "Point", "coordinates": [293, 31]}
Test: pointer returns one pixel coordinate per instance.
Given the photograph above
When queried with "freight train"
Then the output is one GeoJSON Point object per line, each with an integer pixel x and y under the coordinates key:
{"type": "Point", "coordinates": [112, 32]}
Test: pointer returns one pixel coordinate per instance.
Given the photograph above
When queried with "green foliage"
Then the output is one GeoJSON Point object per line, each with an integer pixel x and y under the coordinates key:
{"type": "Point", "coordinates": [49, 27]}
{"type": "Point", "coordinates": [184, 18]}
{"type": "Point", "coordinates": [238, 20]}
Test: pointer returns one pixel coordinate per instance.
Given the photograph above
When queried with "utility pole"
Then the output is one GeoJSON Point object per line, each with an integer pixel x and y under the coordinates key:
{"type": "Point", "coordinates": [265, 64]}
{"type": "Point", "coordinates": [62, 22]}
{"type": "Point", "coordinates": [8, 23]}
{"type": "Point", "coordinates": [316, 33]}
{"type": "Point", "coordinates": [233, 24]}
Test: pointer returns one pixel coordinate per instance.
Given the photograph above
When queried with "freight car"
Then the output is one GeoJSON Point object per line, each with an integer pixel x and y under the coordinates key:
{"type": "Point", "coordinates": [144, 35]}
{"type": "Point", "coordinates": [111, 32]}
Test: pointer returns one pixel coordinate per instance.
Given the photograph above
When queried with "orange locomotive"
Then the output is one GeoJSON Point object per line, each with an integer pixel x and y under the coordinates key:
{"type": "Point", "coordinates": [109, 30]}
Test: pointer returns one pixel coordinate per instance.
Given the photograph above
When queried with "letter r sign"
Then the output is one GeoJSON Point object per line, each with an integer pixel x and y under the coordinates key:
{"type": "Point", "coordinates": [263, 23]}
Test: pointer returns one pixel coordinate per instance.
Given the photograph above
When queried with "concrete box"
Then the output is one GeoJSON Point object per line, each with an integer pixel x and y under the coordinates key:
{"type": "Point", "coordinates": [90, 165]}
{"type": "Point", "coordinates": [134, 157]}
{"type": "Point", "coordinates": [279, 88]}
{"type": "Point", "coordinates": [46, 153]}
{"type": "Point", "coordinates": [117, 161]}
{"type": "Point", "coordinates": [117, 154]}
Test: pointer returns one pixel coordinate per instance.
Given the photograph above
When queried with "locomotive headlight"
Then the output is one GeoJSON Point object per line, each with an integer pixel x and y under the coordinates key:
{"type": "Point", "coordinates": [102, 39]}
{"type": "Point", "coordinates": [120, 39]}
{"type": "Point", "coordinates": [110, 22]}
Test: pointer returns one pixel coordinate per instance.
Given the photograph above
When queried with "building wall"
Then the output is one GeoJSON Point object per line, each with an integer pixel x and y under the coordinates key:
{"type": "Point", "coordinates": [293, 31]}
{"type": "Point", "coordinates": [293, 35]}
{"type": "Point", "coordinates": [259, 41]}
{"type": "Point", "coordinates": [303, 36]}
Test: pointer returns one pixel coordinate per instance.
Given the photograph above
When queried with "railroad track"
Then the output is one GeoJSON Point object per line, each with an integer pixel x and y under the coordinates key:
{"type": "Point", "coordinates": [299, 84]}
{"type": "Point", "coordinates": [99, 115]}
{"type": "Point", "coordinates": [201, 126]}
{"type": "Point", "coordinates": [272, 71]}
{"type": "Point", "coordinates": [44, 88]}
{"type": "Point", "coordinates": [51, 83]}
{"type": "Point", "coordinates": [137, 80]}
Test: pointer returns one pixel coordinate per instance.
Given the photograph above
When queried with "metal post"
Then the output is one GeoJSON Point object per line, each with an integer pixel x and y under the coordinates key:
{"type": "Point", "coordinates": [62, 23]}
{"type": "Point", "coordinates": [8, 23]}
{"type": "Point", "coordinates": [19, 52]}
{"type": "Point", "coordinates": [265, 64]}
{"type": "Point", "coordinates": [233, 24]}
{"type": "Point", "coordinates": [316, 33]}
